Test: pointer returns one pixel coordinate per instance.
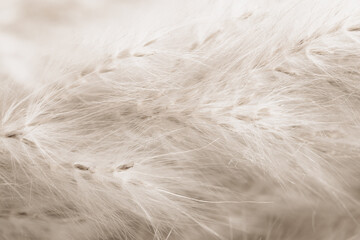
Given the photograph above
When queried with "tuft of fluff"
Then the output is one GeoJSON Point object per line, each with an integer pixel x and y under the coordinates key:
{"type": "Point", "coordinates": [180, 120]}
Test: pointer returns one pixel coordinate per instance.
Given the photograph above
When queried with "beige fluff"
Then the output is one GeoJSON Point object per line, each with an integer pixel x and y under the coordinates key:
{"type": "Point", "coordinates": [179, 120]}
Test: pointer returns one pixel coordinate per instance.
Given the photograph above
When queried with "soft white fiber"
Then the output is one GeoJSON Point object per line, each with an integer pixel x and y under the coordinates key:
{"type": "Point", "coordinates": [179, 120]}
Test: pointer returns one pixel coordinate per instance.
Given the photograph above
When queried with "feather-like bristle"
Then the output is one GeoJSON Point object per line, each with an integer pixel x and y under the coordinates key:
{"type": "Point", "coordinates": [191, 120]}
